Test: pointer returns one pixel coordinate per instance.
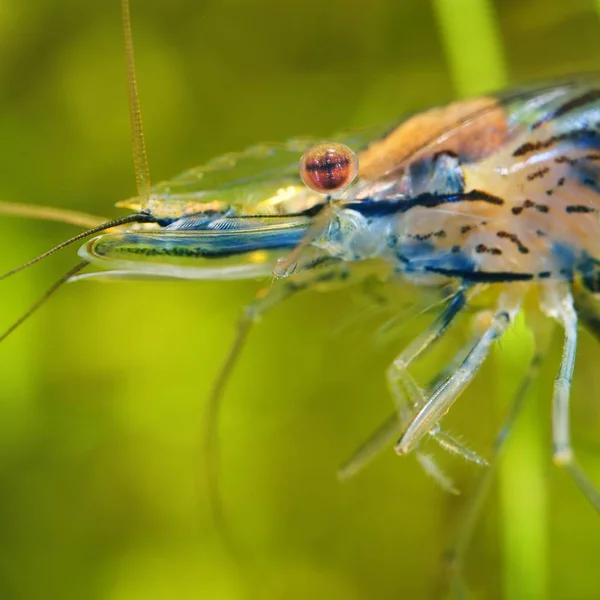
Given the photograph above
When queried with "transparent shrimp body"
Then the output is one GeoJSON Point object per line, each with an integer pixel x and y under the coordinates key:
{"type": "Point", "coordinates": [494, 189]}
{"type": "Point", "coordinates": [498, 191]}
{"type": "Point", "coordinates": [509, 194]}
{"type": "Point", "coordinates": [491, 202]}
{"type": "Point", "coordinates": [232, 218]}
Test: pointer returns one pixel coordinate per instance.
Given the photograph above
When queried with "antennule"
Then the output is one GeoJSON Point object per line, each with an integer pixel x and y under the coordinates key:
{"type": "Point", "coordinates": [50, 213]}
{"type": "Point", "coordinates": [55, 286]}
{"type": "Point", "coordinates": [137, 218]}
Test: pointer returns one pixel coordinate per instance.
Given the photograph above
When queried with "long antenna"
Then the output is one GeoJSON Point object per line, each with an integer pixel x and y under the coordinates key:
{"type": "Point", "coordinates": [136, 218]}
{"type": "Point", "coordinates": [140, 159]}
{"type": "Point", "coordinates": [50, 213]}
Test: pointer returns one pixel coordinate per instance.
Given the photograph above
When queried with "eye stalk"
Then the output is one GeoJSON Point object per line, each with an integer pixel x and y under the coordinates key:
{"type": "Point", "coordinates": [328, 167]}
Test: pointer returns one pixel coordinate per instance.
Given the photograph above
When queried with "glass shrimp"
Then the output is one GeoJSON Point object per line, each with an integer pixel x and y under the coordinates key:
{"type": "Point", "coordinates": [497, 194]}
{"type": "Point", "coordinates": [495, 198]}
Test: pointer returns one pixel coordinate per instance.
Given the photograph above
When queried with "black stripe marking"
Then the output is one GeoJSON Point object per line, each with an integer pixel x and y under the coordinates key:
{"type": "Point", "coordinates": [327, 166]}
{"type": "Point", "coordinates": [380, 208]}
{"type": "Point", "coordinates": [530, 147]}
{"type": "Point", "coordinates": [482, 276]}
{"type": "Point", "coordinates": [587, 98]}
{"type": "Point", "coordinates": [192, 252]}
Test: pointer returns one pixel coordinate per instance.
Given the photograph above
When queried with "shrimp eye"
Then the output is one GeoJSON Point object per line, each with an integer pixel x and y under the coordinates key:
{"type": "Point", "coordinates": [328, 167]}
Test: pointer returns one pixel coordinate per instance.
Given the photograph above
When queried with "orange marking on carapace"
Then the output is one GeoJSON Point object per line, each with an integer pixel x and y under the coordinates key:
{"type": "Point", "coordinates": [471, 141]}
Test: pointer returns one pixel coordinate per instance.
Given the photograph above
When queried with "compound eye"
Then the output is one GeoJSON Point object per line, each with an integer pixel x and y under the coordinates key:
{"type": "Point", "coordinates": [328, 167]}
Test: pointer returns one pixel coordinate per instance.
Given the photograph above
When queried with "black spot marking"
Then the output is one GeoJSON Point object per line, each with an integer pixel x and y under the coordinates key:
{"type": "Point", "coordinates": [544, 274]}
{"type": "Point", "coordinates": [422, 237]}
{"type": "Point", "coordinates": [517, 210]}
{"type": "Point", "coordinates": [455, 249]}
{"type": "Point", "coordinates": [540, 233]}
{"type": "Point", "coordinates": [539, 174]}
{"type": "Point", "coordinates": [560, 182]}
{"type": "Point", "coordinates": [482, 248]}
{"type": "Point", "coordinates": [579, 208]}
{"type": "Point", "coordinates": [563, 159]}
{"type": "Point", "coordinates": [515, 240]}
{"type": "Point", "coordinates": [466, 228]}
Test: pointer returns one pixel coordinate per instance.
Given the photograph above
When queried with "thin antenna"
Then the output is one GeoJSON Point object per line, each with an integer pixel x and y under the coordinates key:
{"type": "Point", "coordinates": [51, 213]}
{"type": "Point", "coordinates": [55, 286]}
{"type": "Point", "coordinates": [140, 159]}
{"type": "Point", "coordinates": [136, 218]}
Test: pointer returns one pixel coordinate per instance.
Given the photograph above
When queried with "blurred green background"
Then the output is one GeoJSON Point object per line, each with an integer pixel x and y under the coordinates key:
{"type": "Point", "coordinates": [101, 394]}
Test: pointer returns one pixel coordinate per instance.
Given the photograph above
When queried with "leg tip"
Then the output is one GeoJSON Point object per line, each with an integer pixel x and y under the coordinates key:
{"type": "Point", "coordinates": [400, 448]}
{"type": "Point", "coordinates": [562, 458]}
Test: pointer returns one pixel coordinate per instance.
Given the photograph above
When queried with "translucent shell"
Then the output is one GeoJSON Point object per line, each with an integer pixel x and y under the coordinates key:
{"type": "Point", "coordinates": [328, 167]}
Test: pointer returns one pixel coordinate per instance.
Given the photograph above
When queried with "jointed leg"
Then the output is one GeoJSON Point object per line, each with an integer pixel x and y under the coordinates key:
{"type": "Point", "coordinates": [559, 304]}
{"type": "Point", "coordinates": [405, 391]}
{"type": "Point", "coordinates": [392, 427]}
{"type": "Point", "coordinates": [430, 413]}
{"type": "Point", "coordinates": [409, 396]}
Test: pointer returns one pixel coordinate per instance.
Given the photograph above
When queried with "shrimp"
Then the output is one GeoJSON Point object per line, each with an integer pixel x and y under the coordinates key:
{"type": "Point", "coordinates": [494, 200]}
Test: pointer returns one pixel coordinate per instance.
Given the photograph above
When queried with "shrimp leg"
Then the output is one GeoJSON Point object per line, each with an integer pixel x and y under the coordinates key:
{"type": "Point", "coordinates": [436, 406]}
{"type": "Point", "coordinates": [409, 396]}
{"type": "Point", "coordinates": [559, 305]}
{"type": "Point", "coordinates": [391, 428]}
